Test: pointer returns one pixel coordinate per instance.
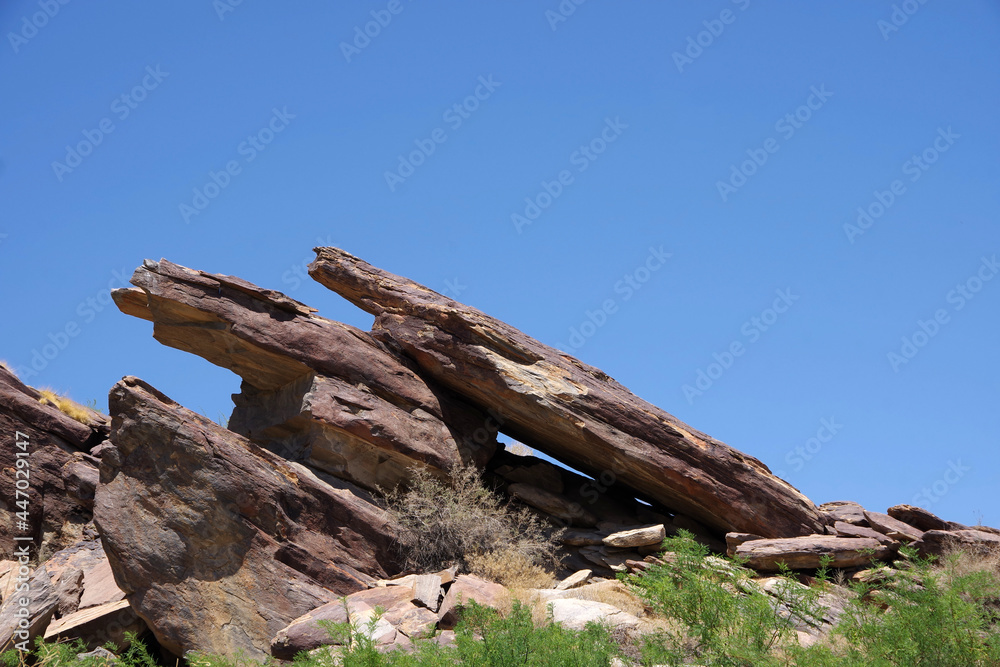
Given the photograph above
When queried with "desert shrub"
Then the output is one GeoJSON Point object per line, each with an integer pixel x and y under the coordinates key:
{"type": "Point", "coordinates": [510, 568]}
{"type": "Point", "coordinates": [64, 654]}
{"type": "Point", "coordinates": [720, 618]}
{"type": "Point", "coordinates": [936, 615]}
{"type": "Point", "coordinates": [453, 522]}
{"type": "Point", "coordinates": [67, 406]}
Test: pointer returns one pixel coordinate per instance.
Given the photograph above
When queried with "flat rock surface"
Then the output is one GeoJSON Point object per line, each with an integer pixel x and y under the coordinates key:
{"type": "Point", "coordinates": [801, 553]}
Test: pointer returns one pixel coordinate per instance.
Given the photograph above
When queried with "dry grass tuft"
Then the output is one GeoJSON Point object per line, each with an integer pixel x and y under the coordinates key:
{"type": "Point", "coordinates": [67, 406]}
{"type": "Point", "coordinates": [511, 569]}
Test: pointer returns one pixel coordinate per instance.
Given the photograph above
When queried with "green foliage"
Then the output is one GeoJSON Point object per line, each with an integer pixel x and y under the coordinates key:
{"type": "Point", "coordinates": [722, 617]}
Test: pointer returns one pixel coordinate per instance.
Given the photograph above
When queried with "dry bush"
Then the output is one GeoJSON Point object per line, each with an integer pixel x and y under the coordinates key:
{"type": "Point", "coordinates": [510, 568]}
{"type": "Point", "coordinates": [453, 522]}
{"type": "Point", "coordinates": [67, 406]}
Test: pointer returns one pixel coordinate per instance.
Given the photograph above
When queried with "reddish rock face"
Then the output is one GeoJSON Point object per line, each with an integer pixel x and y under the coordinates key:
{"type": "Point", "coordinates": [61, 473]}
{"type": "Point", "coordinates": [561, 406]}
{"type": "Point", "coordinates": [196, 518]}
{"type": "Point", "coordinates": [314, 389]}
{"type": "Point", "coordinates": [804, 553]}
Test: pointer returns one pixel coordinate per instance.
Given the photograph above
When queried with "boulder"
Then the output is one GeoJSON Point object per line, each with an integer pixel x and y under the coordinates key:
{"type": "Point", "coordinates": [578, 578]}
{"type": "Point", "coordinates": [733, 540]}
{"type": "Point", "coordinates": [575, 614]}
{"type": "Point", "coordinates": [939, 542]}
{"type": "Point", "coordinates": [62, 473]}
{"type": "Point", "coordinates": [637, 537]}
{"type": "Point", "coordinates": [850, 530]}
{"type": "Point", "coordinates": [804, 553]}
{"type": "Point", "coordinates": [921, 519]}
{"type": "Point", "coordinates": [427, 591]}
{"type": "Point", "coordinates": [887, 525]}
{"type": "Point", "coordinates": [240, 539]}
{"type": "Point", "coordinates": [556, 404]}
{"type": "Point", "coordinates": [314, 390]}
{"type": "Point", "coordinates": [845, 511]}
{"type": "Point", "coordinates": [465, 588]}
{"type": "Point", "coordinates": [97, 625]}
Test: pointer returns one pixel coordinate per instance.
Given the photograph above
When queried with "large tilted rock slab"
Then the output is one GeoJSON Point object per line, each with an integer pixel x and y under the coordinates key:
{"type": "Point", "coordinates": [60, 473]}
{"type": "Point", "coordinates": [574, 412]}
{"type": "Point", "coordinates": [217, 543]}
{"type": "Point", "coordinates": [312, 387]}
{"type": "Point", "coordinates": [804, 553]}
{"type": "Point", "coordinates": [941, 542]}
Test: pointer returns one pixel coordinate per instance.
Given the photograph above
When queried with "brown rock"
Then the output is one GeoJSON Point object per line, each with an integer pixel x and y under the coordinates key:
{"type": "Point", "coordinates": [467, 587]}
{"type": "Point", "coordinates": [311, 385]}
{"type": "Point", "coordinates": [427, 591]}
{"type": "Point", "coordinates": [305, 633]}
{"type": "Point", "coordinates": [803, 553]}
{"type": "Point", "coordinates": [578, 578]}
{"type": "Point", "coordinates": [214, 522]}
{"type": "Point", "coordinates": [636, 537]}
{"type": "Point", "coordinates": [850, 530]}
{"type": "Point", "coordinates": [552, 504]}
{"type": "Point", "coordinates": [556, 404]}
{"type": "Point", "coordinates": [733, 540]}
{"type": "Point", "coordinates": [97, 625]}
{"type": "Point", "coordinates": [939, 542]}
{"type": "Point", "coordinates": [885, 524]}
{"type": "Point", "coordinates": [921, 519]}
{"type": "Point", "coordinates": [60, 496]}
{"type": "Point", "coordinates": [413, 621]}
{"type": "Point", "coordinates": [56, 587]}
{"type": "Point", "coordinates": [845, 511]}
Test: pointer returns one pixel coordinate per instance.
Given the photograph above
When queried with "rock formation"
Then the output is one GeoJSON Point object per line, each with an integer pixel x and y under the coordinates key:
{"type": "Point", "coordinates": [233, 539]}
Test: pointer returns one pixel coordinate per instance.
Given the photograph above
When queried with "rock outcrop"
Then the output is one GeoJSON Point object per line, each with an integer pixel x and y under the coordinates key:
{"type": "Point", "coordinates": [196, 518]}
{"type": "Point", "coordinates": [569, 410]}
{"type": "Point", "coordinates": [314, 390]}
{"type": "Point", "coordinates": [58, 470]}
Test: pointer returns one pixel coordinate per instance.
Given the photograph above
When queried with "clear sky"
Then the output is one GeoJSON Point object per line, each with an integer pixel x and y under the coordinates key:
{"type": "Point", "coordinates": [778, 221]}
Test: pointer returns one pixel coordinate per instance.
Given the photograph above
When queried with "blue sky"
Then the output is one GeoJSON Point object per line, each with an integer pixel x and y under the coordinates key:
{"type": "Point", "coordinates": [677, 183]}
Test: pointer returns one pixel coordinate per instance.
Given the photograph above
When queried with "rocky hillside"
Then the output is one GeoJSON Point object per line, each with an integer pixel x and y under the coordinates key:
{"type": "Point", "coordinates": [159, 521]}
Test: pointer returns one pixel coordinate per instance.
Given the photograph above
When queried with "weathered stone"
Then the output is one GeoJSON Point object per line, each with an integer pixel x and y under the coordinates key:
{"type": "Point", "coordinates": [636, 537]}
{"type": "Point", "coordinates": [576, 614]}
{"type": "Point", "coordinates": [804, 553]}
{"type": "Point", "coordinates": [63, 475]}
{"type": "Point", "coordinates": [305, 633]}
{"type": "Point", "coordinates": [427, 591]}
{"type": "Point", "coordinates": [56, 587]}
{"type": "Point", "coordinates": [558, 405]}
{"type": "Point", "coordinates": [844, 510]}
{"type": "Point", "coordinates": [850, 530]}
{"type": "Point", "coordinates": [885, 524]}
{"type": "Point", "coordinates": [921, 519]}
{"type": "Point", "coordinates": [97, 625]}
{"type": "Point", "coordinates": [467, 587]}
{"type": "Point", "coordinates": [938, 542]}
{"type": "Point", "coordinates": [581, 538]}
{"type": "Point", "coordinates": [413, 621]}
{"type": "Point", "coordinates": [578, 578]}
{"type": "Point", "coordinates": [733, 540]}
{"type": "Point", "coordinates": [213, 522]}
{"type": "Point", "coordinates": [313, 388]}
